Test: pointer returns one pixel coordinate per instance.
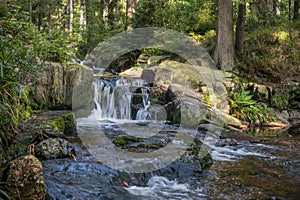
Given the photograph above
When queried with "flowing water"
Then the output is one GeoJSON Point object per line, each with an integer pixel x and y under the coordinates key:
{"type": "Point", "coordinates": [266, 170]}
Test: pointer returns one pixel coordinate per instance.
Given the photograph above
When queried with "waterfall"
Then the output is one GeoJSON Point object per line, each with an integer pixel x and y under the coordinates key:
{"type": "Point", "coordinates": [143, 113]}
{"type": "Point", "coordinates": [113, 100]}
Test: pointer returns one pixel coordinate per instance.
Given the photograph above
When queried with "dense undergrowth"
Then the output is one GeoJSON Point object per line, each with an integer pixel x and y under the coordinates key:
{"type": "Point", "coordinates": [272, 54]}
{"type": "Point", "coordinates": [23, 50]}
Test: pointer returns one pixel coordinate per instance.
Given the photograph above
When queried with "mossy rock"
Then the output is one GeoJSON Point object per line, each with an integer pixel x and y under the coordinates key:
{"type": "Point", "coordinates": [64, 122]}
{"type": "Point", "coordinates": [125, 140]}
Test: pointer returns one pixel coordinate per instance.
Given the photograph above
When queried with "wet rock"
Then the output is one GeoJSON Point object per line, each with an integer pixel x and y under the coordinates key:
{"type": "Point", "coordinates": [240, 136]}
{"type": "Point", "coordinates": [295, 117]}
{"type": "Point", "coordinates": [25, 178]}
{"type": "Point", "coordinates": [85, 180]}
{"type": "Point", "coordinates": [293, 166]}
{"type": "Point", "coordinates": [54, 148]}
{"type": "Point", "coordinates": [125, 140]}
{"type": "Point", "coordinates": [49, 124]}
{"type": "Point", "coordinates": [226, 142]}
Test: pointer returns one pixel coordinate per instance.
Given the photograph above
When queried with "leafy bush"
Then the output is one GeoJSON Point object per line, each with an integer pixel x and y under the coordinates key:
{"type": "Point", "coordinates": [247, 109]}
{"type": "Point", "coordinates": [280, 101]}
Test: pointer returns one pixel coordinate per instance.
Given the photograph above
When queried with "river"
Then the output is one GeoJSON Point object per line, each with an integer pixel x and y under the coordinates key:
{"type": "Point", "coordinates": [269, 169]}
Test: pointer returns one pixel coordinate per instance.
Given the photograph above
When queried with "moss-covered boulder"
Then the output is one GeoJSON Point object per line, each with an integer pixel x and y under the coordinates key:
{"type": "Point", "coordinates": [48, 124]}
{"type": "Point", "coordinates": [25, 178]}
{"type": "Point", "coordinates": [63, 121]}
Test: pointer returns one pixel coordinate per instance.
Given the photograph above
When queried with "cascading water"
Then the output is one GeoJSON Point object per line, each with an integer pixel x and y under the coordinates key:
{"type": "Point", "coordinates": [143, 113]}
{"type": "Point", "coordinates": [113, 100]}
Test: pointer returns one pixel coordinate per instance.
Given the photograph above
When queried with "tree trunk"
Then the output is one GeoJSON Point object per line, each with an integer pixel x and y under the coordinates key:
{"type": "Point", "coordinates": [277, 7]}
{"type": "Point", "coordinates": [296, 9]}
{"type": "Point", "coordinates": [269, 4]}
{"type": "Point", "coordinates": [90, 24]}
{"type": "Point", "coordinates": [71, 16]}
{"type": "Point", "coordinates": [82, 20]}
{"type": "Point", "coordinates": [49, 16]}
{"type": "Point", "coordinates": [224, 51]}
{"type": "Point", "coordinates": [130, 10]}
{"type": "Point", "coordinates": [30, 11]}
{"type": "Point", "coordinates": [240, 28]}
{"type": "Point", "coordinates": [112, 4]}
{"type": "Point", "coordinates": [289, 9]}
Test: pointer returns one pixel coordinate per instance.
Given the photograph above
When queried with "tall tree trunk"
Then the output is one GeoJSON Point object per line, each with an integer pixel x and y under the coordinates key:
{"type": "Point", "coordinates": [289, 9]}
{"type": "Point", "coordinates": [277, 7]}
{"type": "Point", "coordinates": [296, 9]}
{"type": "Point", "coordinates": [49, 16]}
{"type": "Point", "coordinates": [224, 51]}
{"type": "Point", "coordinates": [112, 4]}
{"type": "Point", "coordinates": [71, 16]}
{"type": "Point", "coordinates": [240, 27]}
{"type": "Point", "coordinates": [91, 24]}
{"type": "Point", "coordinates": [82, 20]}
{"type": "Point", "coordinates": [269, 4]}
{"type": "Point", "coordinates": [30, 11]}
{"type": "Point", "coordinates": [130, 10]}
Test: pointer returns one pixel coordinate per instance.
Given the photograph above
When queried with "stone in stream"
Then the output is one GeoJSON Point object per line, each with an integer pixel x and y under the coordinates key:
{"type": "Point", "coordinates": [25, 178]}
{"type": "Point", "coordinates": [54, 148]}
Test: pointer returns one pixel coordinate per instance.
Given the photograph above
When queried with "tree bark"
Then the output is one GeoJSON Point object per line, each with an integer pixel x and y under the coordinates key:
{"type": "Point", "coordinates": [71, 16]}
{"type": "Point", "coordinates": [224, 50]}
{"type": "Point", "coordinates": [277, 6]}
{"type": "Point", "coordinates": [90, 24]}
{"type": "Point", "coordinates": [240, 28]}
{"type": "Point", "coordinates": [82, 20]}
{"type": "Point", "coordinates": [130, 10]}
{"type": "Point", "coordinates": [289, 8]}
{"type": "Point", "coordinates": [296, 9]}
{"type": "Point", "coordinates": [30, 11]}
{"type": "Point", "coordinates": [49, 16]}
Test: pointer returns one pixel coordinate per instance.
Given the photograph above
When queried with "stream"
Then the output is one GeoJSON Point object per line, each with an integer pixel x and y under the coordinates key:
{"type": "Point", "coordinates": [266, 170]}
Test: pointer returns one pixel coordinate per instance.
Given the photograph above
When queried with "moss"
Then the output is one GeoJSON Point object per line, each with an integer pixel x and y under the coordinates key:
{"type": "Point", "coordinates": [70, 125]}
{"type": "Point", "coordinates": [176, 116]}
{"type": "Point", "coordinates": [141, 146]}
{"type": "Point", "coordinates": [57, 124]}
{"type": "Point", "coordinates": [125, 140]}
{"type": "Point", "coordinates": [204, 158]}
{"type": "Point", "coordinates": [64, 123]}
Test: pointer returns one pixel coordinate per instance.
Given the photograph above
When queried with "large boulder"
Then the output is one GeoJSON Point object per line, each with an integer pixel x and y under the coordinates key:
{"type": "Point", "coordinates": [58, 82]}
{"type": "Point", "coordinates": [25, 178]}
{"type": "Point", "coordinates": [189, 93]}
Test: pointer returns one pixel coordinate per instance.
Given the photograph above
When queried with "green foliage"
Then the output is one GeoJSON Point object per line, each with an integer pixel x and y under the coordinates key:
{"type": "Point", "coordinates": [280, 101]}
{"type": "Point", "coordinates": [247, 109]}
{"type": "Point", "coordinates": [184, 16]}
{"type": "Point", "coordinates": [272, 53]}
{"type": "Point", "coordinates": [294, 98]}
{"type": "Point", "coordinates": [3, 193]}
{"type": "Point", "coordinates": [241, 99]}
{"type": "Point", "coordinates": [23, 50]}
